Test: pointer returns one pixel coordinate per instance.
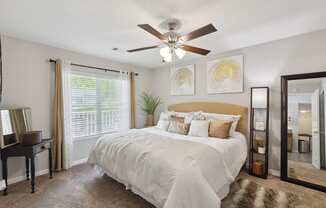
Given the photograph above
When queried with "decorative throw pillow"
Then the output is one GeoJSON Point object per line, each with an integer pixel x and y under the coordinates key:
{"type": "Point", "coordinates": [188, 116]}
{"type": "Point", "coordinates": [164, 121]}
{"type": "Point", "coordinates": [163, 124]}
{"type": "Point", "coordinates": [219, 128]}
{"type": "Point", "coordinates": [166, 115]}
{"type": "Point", "coordinates": [178, 126]}
{"type": "Point", "coordinates": [199, 116]}
{"type": "Point", "coordinates": [199, 128]}
{"type": "Point", "coordinates": [224, 117]}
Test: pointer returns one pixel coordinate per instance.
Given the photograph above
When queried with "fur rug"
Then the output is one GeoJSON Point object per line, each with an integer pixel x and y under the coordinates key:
{"type": "Point", "coordinates": [248, 194]}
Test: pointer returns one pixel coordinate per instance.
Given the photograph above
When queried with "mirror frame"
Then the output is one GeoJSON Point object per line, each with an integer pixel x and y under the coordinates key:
{"type": "Point", "coordinates": [284, 128]}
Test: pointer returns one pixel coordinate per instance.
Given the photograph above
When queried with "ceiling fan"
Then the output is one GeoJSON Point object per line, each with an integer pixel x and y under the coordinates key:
{"type": "Point", "coordinates": [173, 42]}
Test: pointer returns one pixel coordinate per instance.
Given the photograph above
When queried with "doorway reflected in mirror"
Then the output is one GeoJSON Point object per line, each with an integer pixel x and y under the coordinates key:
{"type": "Point", "coordinates": [306, 130]}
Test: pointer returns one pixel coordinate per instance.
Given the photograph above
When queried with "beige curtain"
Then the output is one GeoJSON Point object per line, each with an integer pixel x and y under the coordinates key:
{"type": "Point", "coordinates": [132, 101]}
{"type": "Point", "coordinates": [58, 122]}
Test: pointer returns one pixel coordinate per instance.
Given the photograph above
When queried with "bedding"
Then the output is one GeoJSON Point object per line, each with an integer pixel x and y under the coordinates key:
{"type": "Point", "coordinates": [171, 170]}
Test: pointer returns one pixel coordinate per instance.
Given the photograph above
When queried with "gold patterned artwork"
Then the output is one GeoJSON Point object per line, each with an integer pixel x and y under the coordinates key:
{"type": "Point", "coordinates": [225, 75]}
{"type": "Point", "coordinates": [182, 80]}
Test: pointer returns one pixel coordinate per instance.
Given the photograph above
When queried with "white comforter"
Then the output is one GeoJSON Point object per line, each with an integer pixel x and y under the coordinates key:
{"type": "Point", "coordinates": [171, 170]}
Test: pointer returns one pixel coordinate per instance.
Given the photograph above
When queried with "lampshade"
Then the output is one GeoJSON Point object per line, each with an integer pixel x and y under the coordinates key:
{"type": "Point", "coordinates": [259, 97]}
{"type": "Point", "coordinates": [180, 53]}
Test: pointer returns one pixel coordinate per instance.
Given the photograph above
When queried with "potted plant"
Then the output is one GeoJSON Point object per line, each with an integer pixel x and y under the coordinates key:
{"type": "Point", "coordinates": [149, 105]}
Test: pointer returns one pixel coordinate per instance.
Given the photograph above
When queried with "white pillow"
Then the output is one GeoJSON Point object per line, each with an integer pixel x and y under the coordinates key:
{"type": "Point", "coordinates": [224, 117]}
{"type": "Point", "coordinates": [163, 124]}
{"type": "Point", "coordinates": [199, 128]}
{"type": "Point", "coordinates": [166, 115]}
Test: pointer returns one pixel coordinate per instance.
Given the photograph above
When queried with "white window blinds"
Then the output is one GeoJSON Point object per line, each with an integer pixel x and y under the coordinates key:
{"type": "Point", "coordinates": [100, 103]}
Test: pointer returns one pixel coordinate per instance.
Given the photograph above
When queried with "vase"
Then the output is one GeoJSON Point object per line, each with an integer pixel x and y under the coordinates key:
{"type": "Point", "coordinates": [149, 120]}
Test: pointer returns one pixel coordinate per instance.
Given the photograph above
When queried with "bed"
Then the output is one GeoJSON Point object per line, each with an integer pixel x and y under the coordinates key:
{"type": "Point", "coordinates": [172, 170]}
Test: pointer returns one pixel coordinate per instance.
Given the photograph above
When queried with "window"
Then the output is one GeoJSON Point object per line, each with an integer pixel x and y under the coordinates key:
{"type": "Point", "coordinates": [99, 103]}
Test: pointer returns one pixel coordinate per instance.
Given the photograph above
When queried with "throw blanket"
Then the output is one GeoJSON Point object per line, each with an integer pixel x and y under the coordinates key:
{"type": "Point", "coordinates": [173, 173]}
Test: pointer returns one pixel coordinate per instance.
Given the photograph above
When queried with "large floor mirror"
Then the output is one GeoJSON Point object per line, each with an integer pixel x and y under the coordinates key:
{"type": "Point", "coordinates": [303, 145]}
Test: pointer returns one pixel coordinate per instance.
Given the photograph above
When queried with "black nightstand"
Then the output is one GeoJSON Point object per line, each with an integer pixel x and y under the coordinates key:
{"type": "Point", "coordinates": [29, 152]}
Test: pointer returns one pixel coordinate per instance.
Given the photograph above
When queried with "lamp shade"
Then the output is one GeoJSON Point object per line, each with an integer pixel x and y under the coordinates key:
{"type": "Point", "coordinates": [259, 97]}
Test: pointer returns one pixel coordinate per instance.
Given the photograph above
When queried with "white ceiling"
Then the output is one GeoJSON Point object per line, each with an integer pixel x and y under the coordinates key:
{"type": "Point", "coordinates": [96, 26]}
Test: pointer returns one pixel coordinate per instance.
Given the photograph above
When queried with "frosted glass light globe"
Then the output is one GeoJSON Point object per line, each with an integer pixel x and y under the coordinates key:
{"type": "Point", "coordinates": [168, 58]}
{"type": "Point", "coordinates": [180, 53]}
{"type": "Point", "coordinates": [165, 51]}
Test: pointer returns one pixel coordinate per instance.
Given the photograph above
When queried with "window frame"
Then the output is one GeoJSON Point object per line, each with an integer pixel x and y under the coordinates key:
{"type": "Point", "coordinates": [97, 75]}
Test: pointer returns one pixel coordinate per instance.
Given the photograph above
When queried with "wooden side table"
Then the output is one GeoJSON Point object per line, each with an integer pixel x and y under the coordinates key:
{"type": "Point", "coordinates": [29, 152]}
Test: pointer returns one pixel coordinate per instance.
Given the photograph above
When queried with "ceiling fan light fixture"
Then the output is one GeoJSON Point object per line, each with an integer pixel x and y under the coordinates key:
{"type": "Point", "coordinates": [168, 58]}
{"type": "Point", "coordinates": [165, 51]}
{"type": "Point", "coordinates": [180, 53]}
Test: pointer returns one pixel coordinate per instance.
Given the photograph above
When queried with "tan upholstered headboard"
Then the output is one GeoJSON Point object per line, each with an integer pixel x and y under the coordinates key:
{"type": "Point", "coordinates": [214, 107]}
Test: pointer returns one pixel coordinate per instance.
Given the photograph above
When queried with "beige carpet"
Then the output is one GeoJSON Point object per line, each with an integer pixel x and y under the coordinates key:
{"type": "Point", "coordinates": [82, 187]}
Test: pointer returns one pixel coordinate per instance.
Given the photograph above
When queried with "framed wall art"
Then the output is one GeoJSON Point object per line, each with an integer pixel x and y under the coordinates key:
{"type": "Point", "coordinates": [183, 80]}
{"type": "Point", "coordinates": [225, 75]}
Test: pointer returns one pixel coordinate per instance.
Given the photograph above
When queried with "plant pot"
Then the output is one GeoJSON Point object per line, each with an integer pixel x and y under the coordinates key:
{"type": "Point", "coordinates": [149, 120]}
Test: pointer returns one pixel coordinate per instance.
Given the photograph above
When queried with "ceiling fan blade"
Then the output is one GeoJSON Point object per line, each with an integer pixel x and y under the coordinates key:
{"type": "Point", "coordinates": [193, 49]}
{"type": "Point", "coordinates": [152, 31]}
{"type": "Point", "coordinates": [141, 49]}
{"type": "Point", "coordinates": [199, 32]}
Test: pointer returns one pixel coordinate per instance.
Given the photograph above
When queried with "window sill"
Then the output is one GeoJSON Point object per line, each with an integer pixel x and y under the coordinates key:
{"type": "Point", "coordinates": [92, 137]}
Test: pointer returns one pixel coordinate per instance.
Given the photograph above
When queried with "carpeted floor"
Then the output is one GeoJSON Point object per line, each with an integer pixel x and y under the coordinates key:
{"type": "Point", "coordinates": [306, 172]}
{"type": "Point", "coordinates": [82, 187]}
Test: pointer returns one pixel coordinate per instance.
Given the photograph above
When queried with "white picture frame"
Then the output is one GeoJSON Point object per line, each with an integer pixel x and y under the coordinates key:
{"type": "Point", "coordinates": [225, 75]}
{"type": "Point", "coordinates": [182, 80]}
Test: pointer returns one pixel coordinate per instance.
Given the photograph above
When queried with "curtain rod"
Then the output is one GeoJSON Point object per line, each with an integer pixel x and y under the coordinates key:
{"type": "Point", "coordinates": [91, 67]}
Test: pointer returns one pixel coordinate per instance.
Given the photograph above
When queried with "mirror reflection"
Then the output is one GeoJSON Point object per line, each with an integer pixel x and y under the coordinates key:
{"type": "Point", "coordinates": [13, 123]}
{"type": "Point", "coordinates": [306, 130]}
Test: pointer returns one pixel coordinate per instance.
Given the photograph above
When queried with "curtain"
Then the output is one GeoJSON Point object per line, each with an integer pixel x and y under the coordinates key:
{"type": "Point", "coordinates": [67, 112]}
{"type": "Point", "coordinates": [132, 101]}
{"type": "Point", "coordinates": [58, 120]}
{"type": "Point", "coordinates": [125, 110]}
{"type": "Point", "coordinates": [62, 117]}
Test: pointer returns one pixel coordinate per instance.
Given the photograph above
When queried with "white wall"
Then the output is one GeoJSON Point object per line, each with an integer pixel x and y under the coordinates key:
{"type": "Point", "coordinates": [28, 81]}
{"type": "Point", "coordinates": [263, 66]}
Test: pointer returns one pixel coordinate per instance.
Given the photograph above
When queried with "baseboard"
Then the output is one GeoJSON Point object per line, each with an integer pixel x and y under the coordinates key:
{"type": "Point", "coordinates": [22, 178]}
{"type": "Point", "coordinates": [78, 162]}
{"type": "Point", "coordinates": [274, 172]}
{"type": "Point", "coordinates": [42, 172]}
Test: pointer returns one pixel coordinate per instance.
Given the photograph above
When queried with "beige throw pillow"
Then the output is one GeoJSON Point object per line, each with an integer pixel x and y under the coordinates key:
{"type": "Point", "coordinates": [178, 126]}
{"type": "Point", "coordinates": [219, 129]}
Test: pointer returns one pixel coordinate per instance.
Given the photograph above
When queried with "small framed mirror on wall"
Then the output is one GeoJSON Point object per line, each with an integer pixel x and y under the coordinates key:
{"type": "Point", "coordinates": [303, 139]}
